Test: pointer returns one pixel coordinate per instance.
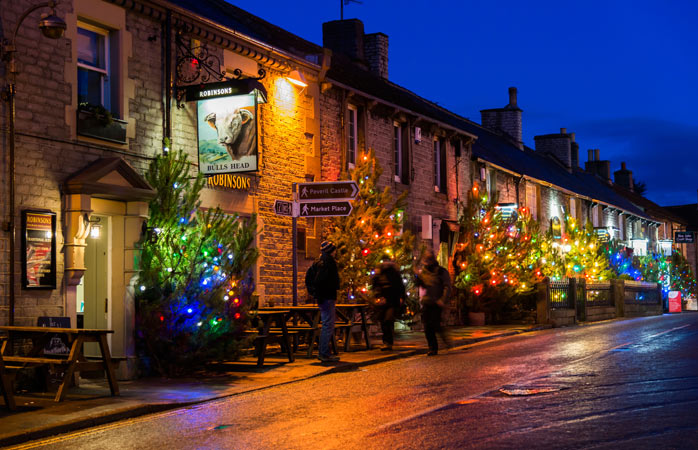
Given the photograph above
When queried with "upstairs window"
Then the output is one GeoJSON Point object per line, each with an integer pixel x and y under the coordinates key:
{"type": "Point", "coordinates": [94, 80]}
{"type": "Point", "coordinates": [400, 154]}
{"type": "Point", "coordinates": [352, 136]}
{"type": "Point", "coordinates": [440, 165]}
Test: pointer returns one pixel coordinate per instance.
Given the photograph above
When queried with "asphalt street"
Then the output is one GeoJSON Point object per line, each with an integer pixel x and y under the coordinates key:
{"type": "Point", "coordinates": [620, 384]}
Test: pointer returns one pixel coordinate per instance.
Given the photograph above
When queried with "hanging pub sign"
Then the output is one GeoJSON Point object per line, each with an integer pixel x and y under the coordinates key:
{"type": "Point", "coordinates": [227, 125]}
{"type": "Point", "coordinates": [683, 237]}
{"type": "Point", "coordinates": [556, 227]}
{"type": "Point", "coordinates": [38, 249]}
{"type": "Point", "coordinates": [602, 234]}
{"type": "Point", "coordinates": [508, 211]}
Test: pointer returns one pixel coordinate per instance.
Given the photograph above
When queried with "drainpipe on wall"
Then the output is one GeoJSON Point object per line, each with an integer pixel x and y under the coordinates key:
{"type": "Point", "coordinates": [167, 85]}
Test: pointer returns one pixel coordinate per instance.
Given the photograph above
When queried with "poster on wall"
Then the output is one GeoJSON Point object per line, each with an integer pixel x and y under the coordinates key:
{"type": "Point", "coordinates": [38, 249]}
{"type": "Point", "coordinates": [227, 127]}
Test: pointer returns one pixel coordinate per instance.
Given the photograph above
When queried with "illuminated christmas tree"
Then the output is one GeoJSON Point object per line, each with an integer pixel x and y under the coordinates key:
{"type": "Point", "coordinates": [621, 261]}
{"type": "Point", "coordinates": [194, 284]}
{"type": "Point", "coordinates": [681, 276]}
{"type": "Point", "coordinates": [578, 253]}
{"type": "Point", "coordinates": [497, 257]}
{"type": "Point", "coordinates": [373, 230]}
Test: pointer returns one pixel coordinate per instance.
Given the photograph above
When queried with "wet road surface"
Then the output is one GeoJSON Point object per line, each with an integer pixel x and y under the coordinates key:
{"type": "Point", "coordinates": [622, 384]}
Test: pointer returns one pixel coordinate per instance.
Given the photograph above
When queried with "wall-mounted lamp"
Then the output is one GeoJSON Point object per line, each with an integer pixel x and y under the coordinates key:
{"type": "Point", "coordinates": [95, 231]}
{"type": "Point", "coordinates": [92, 225]}
{"type": "Point", "coordinates": [296, 77]}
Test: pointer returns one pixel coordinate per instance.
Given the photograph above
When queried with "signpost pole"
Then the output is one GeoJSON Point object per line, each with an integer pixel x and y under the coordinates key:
{"type": "Point", "coordinates": [294, 238]}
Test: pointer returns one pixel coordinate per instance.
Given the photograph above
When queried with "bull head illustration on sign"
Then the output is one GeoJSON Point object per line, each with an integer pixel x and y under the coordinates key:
{"type": "Point", "coordinates": [236, 132]}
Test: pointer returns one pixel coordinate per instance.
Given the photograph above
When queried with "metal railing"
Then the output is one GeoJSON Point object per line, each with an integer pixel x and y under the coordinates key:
{"type": "Point", "coordinates": [598, 294]}
{"type": "Point", "coordinates": [560, 297]}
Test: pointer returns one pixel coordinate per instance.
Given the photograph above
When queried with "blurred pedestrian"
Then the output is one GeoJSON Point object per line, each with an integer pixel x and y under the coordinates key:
{"type": "Point", "coordinates": [389, 291]}
{"type": "Point", "coordinates": [322, 281]}
{"type": "Point", "coordinates": [435, 290]}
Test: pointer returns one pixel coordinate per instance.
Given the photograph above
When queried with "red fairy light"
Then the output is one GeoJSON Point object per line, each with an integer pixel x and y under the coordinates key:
{"type": "Point", "coordinates": [237, 315]}
{"type": "Point", "coordinates": [365, 251]}
{"type": "Point", "coordinates": [162, 318]}
{"type": "Point", "coordinates": [236, 300]}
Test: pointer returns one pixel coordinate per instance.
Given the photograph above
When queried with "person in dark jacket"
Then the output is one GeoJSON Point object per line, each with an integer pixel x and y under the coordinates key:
{"type": "Point", "coordinates": [325, 287]}
{"type": "Point", "coordinates": [389, 291]}
{"type": "Point", "coordinates": [435, 290]}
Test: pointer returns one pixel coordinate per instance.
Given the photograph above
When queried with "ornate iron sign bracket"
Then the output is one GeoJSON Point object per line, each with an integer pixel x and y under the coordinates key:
{"type": "Point", "coordinates": [198, 64]}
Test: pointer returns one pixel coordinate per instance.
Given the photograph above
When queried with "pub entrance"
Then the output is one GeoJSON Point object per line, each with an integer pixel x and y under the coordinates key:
{"type": "Point", "coordinates": [93, 294]}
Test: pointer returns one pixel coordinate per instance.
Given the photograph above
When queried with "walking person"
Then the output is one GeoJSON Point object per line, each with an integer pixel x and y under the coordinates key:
{"type": "Point", "coordinates": [389, 291]}
{"type": "Point", "coordinates": [435, 284]}
{"type": "Point", "coordinates": [322, 281]}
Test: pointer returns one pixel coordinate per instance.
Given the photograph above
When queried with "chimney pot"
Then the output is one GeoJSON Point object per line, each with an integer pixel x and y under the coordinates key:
{"type": "Point", "coordinates": [590, 155]}
{"type": "Point", "coordinates": [622, 165]}
{"type": "Point", "coordinates": [563, 130]}
{"type": "Point", "coordinates": [572, 137]}
{"type": "Point", "coordinates": [596, 154]}
{"type": "Point", "coordinates": [512, 96]}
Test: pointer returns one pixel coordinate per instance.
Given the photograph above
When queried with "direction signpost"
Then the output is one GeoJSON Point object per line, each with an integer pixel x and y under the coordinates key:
{"type": "Point", "coordinates": [328, 190]}
{"type": "Point", "coordinates": [325, 209]}
{"type": "Point", "coordinates": [321, 199]}
{"type": "Point", "coordinates": [283, 208]}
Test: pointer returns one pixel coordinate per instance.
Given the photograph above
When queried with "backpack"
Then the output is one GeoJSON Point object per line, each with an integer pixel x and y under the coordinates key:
{"type": "Point", "coordinates": [312, 278]}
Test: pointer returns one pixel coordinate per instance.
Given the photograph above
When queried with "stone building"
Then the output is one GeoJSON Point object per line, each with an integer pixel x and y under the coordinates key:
{"type": "Point", "coordinates": [129, 61]}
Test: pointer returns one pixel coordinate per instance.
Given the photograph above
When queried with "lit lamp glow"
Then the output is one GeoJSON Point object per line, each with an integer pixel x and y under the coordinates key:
{"type": "Point", "coordinates": [297, 78]}
{"type": "Point", "coordinates": [95, 231]}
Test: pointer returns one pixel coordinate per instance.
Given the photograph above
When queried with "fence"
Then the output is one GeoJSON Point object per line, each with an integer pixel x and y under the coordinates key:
{"type": "Point", "coordinates": [567, 301]}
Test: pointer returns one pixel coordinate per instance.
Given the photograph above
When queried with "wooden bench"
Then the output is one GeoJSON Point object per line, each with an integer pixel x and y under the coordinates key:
{"type": "Point", "coordinates": [73, 362]}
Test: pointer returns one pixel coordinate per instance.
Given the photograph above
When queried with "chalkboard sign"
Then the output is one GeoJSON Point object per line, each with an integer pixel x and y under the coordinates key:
{"type": "Point", "coordinates": [58, 344]}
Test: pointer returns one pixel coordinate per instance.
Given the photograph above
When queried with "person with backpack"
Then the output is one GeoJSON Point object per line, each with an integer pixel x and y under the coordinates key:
{"type": "Point", "coordinates": [322, 282]}
{"type": "Point", "coordinates": [435, 289]}
{"type": "Point", "coordinates": [389, 291]}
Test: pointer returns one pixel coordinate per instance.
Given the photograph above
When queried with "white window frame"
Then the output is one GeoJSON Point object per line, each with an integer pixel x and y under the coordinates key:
{"type": "Point", "coordinates": [352, 135]}
{"type": "Point", "coordinates": [437, 165]}
{"type": "Point", "coordinates": [106, 71]}
{"type": "Point", "coordinates": [397, 149]}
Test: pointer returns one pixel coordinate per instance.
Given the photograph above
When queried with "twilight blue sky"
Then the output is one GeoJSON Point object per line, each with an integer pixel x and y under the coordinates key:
{"type": "Point", "coordinates": [621, 74]}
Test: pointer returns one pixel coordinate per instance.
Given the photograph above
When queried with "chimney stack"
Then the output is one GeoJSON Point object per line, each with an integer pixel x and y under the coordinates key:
{"type": "Point", "coordinates": [505, 120]}
{"type": "Point", "coordinates": [624, 177]}
{"type": "Point", "coordinates": [558, 145]}
{"type": "Point", "coordinates": [366, 50]}
{"type": "Point", "coordinates": [512, 97]}
{"type": "Point", "coordinates": [599, 168]}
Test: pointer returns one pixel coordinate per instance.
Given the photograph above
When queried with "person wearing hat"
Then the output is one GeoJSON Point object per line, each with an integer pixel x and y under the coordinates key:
{"type": "Point", "coordinates": [323, 284]}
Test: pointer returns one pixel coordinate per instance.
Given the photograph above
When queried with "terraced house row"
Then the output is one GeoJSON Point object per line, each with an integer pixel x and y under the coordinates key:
{"type": "Point", "coordinates": [259, 109]}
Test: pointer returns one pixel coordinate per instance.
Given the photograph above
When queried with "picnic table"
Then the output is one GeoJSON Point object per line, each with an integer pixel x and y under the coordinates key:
{"type": "Point", "coordinates": [347, 313]}
{"type": "Point", "coordinates": [306, 320]}
{"type": "Point", "coordinates": [73, 362]}
{"type": "Point", "coordinates": [264, 331]}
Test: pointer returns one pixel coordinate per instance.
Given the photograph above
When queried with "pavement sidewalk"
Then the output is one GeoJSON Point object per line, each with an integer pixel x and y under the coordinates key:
{"type": "Point", "coordinates": [90, 404]}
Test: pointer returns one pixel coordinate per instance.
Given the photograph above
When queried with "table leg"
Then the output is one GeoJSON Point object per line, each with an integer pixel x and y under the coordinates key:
{"type": "Point", "coordinates": [263, 341]}
{"type": "Point", "coordinates": [364, 327]}
{"type": "Point", "coordinates": [75, 352]}
{"type": "Point", "coordinates": [108, 367]}
{"type": "Point", "coordinates": [6, 383]}
{"type": "Point", "coordinates": [315, 334]}
{"type": "Point", "coordinates": [287, 341]}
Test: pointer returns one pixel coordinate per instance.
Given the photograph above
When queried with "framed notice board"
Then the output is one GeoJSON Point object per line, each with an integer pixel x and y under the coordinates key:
{"type": "Point", "coordinates": [38, 249]}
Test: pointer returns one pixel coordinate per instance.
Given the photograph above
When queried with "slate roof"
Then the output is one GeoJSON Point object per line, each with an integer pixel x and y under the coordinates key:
{"type": "Point", "coordinates": [489, 146]}
{"type": "Point", "coordinates": [651, 208]}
